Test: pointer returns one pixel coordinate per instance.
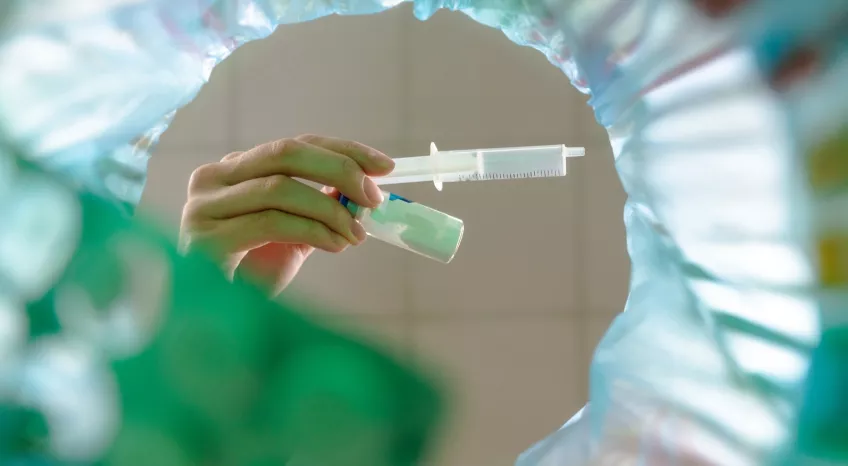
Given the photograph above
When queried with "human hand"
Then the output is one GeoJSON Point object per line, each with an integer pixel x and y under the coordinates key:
{"type": "Point", "coordinates": [254, 218]}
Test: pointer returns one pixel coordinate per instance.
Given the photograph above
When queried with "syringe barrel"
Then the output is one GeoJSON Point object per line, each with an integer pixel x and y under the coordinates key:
{"type": "Point", "coordinates": [519, 162]}
{"type": "Point", "coordinates": [426, 168]}
{"type": "Point", "coordinates": [483, 164]}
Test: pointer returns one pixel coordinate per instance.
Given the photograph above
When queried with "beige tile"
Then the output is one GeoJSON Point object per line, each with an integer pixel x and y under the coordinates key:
{"type": "Point", "coordinates": [386, 333]}
{"type": "Point", "coordinates": [514, 381]}
{"type": "Point", "coordinates": [368, 280]}
{"type": "Point", "coordinates": [205, 122]}
{"type": "Point", "coordinates": [517, 254]}
{"type": "Point", "coordinates": [471, 122]}
{"type": "Point", "coordinates": [451, 49]}
{"type": "Point", "coordinates": [339, 76]}
{"type": "Point", "coordinates": [469, 85]}
{"type": "Point", "coordinates": [607, 266]}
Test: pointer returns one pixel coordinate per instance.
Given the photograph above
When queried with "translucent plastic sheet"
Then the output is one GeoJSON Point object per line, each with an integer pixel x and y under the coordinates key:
{"type": "Point", "coordinates": [728, 123]}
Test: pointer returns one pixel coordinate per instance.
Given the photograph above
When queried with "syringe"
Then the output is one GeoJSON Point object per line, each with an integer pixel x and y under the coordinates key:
{"type": "Point", "coordinates": [481, 164]}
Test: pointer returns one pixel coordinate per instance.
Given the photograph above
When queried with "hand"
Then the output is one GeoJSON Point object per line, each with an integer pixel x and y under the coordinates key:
{"type": "Point", "coordinates": [255, 219]}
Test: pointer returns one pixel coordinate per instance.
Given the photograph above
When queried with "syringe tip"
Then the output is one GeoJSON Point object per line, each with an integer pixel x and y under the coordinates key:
{"type": "Point", "coordinates": [576, 151]}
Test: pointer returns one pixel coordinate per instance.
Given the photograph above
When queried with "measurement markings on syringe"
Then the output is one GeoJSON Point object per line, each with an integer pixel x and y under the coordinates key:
{"type": "Point", "coordinates": [511, 176]}
{"type": "Point", "coordinates": [482, 164]}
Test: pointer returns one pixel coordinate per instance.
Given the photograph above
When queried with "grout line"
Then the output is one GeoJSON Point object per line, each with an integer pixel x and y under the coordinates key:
{"type": "Point", "coordinates": [404, 75]}
{"type": "Point", "coordinates": [580, 239]}
{"type": "Point", "coordinates": [585, 355]}
{"type": "Point", "coordinates": [345, 321]}
{"type": "Point", "coordinates": [430, 316]}
{"type": "Point", "coordinates": [581, 281]}
{"type": "Point", "coordinates": [233, 76]}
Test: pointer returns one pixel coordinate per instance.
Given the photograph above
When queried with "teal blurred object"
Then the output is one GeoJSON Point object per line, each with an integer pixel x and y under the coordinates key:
{"type": "Point", "coordinates": [727, 123]}
{"type": "Point", "coordinates": [823, 426]}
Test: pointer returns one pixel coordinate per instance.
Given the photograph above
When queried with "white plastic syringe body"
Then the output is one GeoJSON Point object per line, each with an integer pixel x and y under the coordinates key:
{"type": "Point", "coordinates": [481, 164]}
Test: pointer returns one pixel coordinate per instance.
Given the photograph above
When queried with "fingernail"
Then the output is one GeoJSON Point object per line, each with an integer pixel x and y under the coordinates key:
{"type": "Point", "coordinates": [358, 230]}
{"type": "Point", "coordinates": [372, 191]}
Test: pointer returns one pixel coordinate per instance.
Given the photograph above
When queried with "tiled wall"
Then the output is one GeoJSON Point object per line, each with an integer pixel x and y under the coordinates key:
{"type": "Point", "coordinates": [543, 268]}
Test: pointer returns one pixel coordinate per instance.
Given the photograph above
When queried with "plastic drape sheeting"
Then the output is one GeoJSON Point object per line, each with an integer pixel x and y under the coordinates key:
{"type": "Point", "coordinates": [729, 130]}
{"type": "Point", "coordinates": [728, 122]}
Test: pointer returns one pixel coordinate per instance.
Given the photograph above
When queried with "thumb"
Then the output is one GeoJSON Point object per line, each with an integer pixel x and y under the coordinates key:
{"type": "Point", "coordinates": [274, 265]}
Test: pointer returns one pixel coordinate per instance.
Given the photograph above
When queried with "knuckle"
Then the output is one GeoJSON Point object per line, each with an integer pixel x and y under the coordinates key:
{"type": "Point", "coordinates": [350, 169]}
{"type": "Point", "coordinates": [266, 220]}
{"type": "Point", "coordinates": [187, 243]}
{"type": "Point", "coordinates": [231, 156]}
{"type": "Point", "coordinates": [266, 224]}
{"type": "Point", "coordinates": [193, 239]}
{"type": "Point", "coordinates": [307, 138]}
{"type": "Point", "coordinates": [318, 231]}
{"type": "Point", "coordinates": [341, 217]}
{"type": "Point", "coordinates": [352, 147]}
{"type": "Point", "coordinates": [193, 209]}
{"type": "Point", "coordinates": [274, 184]}
{"type": "Point", "coordinates": [283, 146]}
{"type": "Point", "coordinates": [324, 237]}
{"type": "Point", "coordinates": [335, 245]}
{"type": "Point", "coordinates": [202, 176]}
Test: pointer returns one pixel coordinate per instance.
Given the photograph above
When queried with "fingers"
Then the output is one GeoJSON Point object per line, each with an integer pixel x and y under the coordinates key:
{"type": "Point", "coordinates": [344, 165]}
{"type": "Point", "coordinates": [283, 194]}
{"type": "Point", "coordinates": [249, 208]}
{"type": "Point", "coordinates": [258, 229]}
{"type": "Point", "coordinates": [232, 156]}
{"type": "Point", "coordinates": [372, 161]}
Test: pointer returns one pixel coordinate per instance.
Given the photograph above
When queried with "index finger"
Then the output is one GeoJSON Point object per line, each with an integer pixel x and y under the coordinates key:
{"type": "Point", "coordinates": [298, 159]}
{"type": "Point", "coordinates": [372, 161]}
